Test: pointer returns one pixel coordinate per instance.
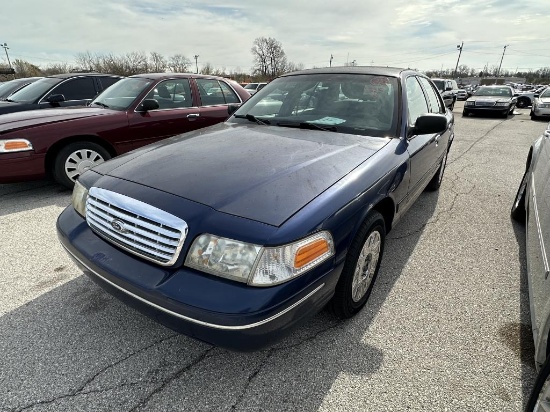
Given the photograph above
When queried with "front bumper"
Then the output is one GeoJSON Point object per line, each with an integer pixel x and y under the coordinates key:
{"type": "Point", "coordinates": [21, 166]}
{"type": "Point", "coordinates": [254, 317]}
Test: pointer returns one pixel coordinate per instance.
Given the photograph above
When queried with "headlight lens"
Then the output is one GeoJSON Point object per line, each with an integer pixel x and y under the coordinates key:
{"type": "Point", "coordinates": [80, 195]}
{"type": "Point", "coordinates": [15, 145]}
{"type": "Point", "coordinates": [257, 265]}
{"type": "Point", "coordinates": [469, 103]}
{"type": "Point", "coordinates": [223, 257]}
{"type": "Point", "coordinates": [279, 264]}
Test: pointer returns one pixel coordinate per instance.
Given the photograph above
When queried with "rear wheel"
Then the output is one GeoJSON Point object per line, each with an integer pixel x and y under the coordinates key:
{"type": "Point", "coordinates": [523, 102]}
{"type": "Point", "coordinates": [435, 183]}
{"type": "Point", "coordinates": [361, 267]}
{"type": "Point", "coordinates": [75, 158]}
{"type": "Point", "coordinates": [518, 208]}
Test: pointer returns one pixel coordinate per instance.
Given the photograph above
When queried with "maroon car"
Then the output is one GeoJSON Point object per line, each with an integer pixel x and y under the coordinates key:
{"type": "Point", "coordinates": [135, 111]}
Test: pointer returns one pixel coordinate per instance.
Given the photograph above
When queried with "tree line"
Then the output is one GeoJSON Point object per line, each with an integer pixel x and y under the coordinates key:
{"type": "Point", "coordinates": [268, 56]}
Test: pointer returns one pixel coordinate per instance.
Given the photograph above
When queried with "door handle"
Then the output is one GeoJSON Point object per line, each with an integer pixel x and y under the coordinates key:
{"type": "Point", "coordinates": [192, 116]}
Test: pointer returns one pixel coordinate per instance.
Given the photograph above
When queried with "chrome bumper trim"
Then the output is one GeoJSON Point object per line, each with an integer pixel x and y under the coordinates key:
{"type": "Point", "coordinates": [199, 322]}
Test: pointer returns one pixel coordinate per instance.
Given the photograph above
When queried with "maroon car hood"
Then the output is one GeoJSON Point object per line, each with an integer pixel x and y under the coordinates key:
{"type": "Point", "coordinates": [20, 120]}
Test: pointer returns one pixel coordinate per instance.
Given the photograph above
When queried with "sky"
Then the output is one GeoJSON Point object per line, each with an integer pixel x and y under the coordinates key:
{"type": "Point", "coordinates": [421, 34]}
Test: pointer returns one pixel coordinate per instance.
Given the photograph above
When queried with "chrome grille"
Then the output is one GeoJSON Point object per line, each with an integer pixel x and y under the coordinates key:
{"type": "Point", "coordinates": [486, 103]}
{"type": "Point", "coordinates": [135, 226]}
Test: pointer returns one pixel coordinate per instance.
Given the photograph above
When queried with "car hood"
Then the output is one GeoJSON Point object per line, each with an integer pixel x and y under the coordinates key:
{"type": "Point", "coordinates": [262, 173]}
{"type": "Point", "coordinates": [14, 121]}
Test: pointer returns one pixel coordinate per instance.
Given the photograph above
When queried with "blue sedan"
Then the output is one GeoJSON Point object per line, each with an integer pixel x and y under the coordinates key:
{"type": "Point", "coordinates": [235, 233]}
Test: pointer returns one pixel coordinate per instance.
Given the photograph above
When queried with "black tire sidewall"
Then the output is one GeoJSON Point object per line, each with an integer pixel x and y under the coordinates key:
{"type": "Point", "coordinates": [539, 382]}
{"type": "Point", "coordinates": [342, 304]}
{"type": "Point", "coordinates": [518, 207]}
{"type": "Point", "coordinates": [59, 161]}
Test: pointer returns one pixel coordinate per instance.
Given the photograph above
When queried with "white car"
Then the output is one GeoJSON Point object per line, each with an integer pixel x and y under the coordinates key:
{"type": "Point", "coordinates": [461, 94]}
{"type": "Point", "coordinates": [254, 87]}
{"type": "Point", "coordinates": [541, 105]}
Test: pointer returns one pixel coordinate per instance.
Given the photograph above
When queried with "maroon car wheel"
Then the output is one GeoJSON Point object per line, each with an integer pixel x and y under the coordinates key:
{"type": "Point", "coordinates": [75, 158]}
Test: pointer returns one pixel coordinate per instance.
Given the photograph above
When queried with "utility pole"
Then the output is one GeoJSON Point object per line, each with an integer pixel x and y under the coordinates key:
{"type": "Point", "coordinates": [5, 46]}
{"type": "Point", "coordinates": [196, 63]}
{"type": "Point", "coordinates": [330, 61]}
{"type": "Point", "coordinates": [500, 65]}
{"type": "Point", "coordinates": [459, 47]}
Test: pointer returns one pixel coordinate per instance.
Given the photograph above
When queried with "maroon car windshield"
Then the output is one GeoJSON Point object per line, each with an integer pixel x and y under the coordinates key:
{"type": "Point", "coordinates": [122, 94]}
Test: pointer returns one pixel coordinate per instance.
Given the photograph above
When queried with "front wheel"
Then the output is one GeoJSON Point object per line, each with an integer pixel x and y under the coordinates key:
{"type": "Point", "coordinates": [465, 113]}
{"type": "Point", "coordinates": [539, 401]}
{"type": "Point", "coordinates": [361, 267]}
{"type": "Point", "coordinates": [75, 158]}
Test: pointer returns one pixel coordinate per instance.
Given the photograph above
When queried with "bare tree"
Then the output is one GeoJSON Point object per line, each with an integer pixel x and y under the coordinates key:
{"type": "Point", "coordinates": [58, 68]}
{"type": "Point", "coordinates": [178, 63]}
{"type": "Point", "coordinates": [207, 68]}
{"type": "Point", "coordinates": [157, 62]}
{"type": "Point", "coordinates": [269, 57]}
{"type": "Point", "coordinates": [25, 69]}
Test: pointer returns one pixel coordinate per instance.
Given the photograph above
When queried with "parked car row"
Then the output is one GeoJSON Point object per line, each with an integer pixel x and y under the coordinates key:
{"type": "Point", "coordinates": [11, 86]}
{"type": "Point", "coordinates": [135, 111]}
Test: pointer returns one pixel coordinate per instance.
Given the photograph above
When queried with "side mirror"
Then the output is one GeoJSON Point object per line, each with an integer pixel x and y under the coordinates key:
{"type": "Point", "coordinates": [148, 104]}
{"type": "Point", "coordinates": [536, 95]}
{"type": "Point", "coordinates": [55, 98]}
{"type": "Point", "coordinates": [430, 123]}
{"type": "Point", "coordinates": [232, 108]}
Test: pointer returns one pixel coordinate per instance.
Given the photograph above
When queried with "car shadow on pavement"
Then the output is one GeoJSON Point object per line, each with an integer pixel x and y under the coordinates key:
{"type": "Point", "coordinates": [78, 348]}
{"type": "Point", "coordinates": [521, 335]}
{"type": "Point", "coordinates": [19, 197]}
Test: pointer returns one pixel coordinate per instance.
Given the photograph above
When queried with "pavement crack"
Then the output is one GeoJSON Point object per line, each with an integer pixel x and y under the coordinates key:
{"type": "Point", "coordinates": [172, 378]}
{"type": "Point", "coordinates": [80, 390]}
{"type": "Point", "coordinates": [474, 143]}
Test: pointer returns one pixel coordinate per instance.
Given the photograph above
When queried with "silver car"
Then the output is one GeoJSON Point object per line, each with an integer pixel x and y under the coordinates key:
{"type": "Point", "coordinates": [532, 206]}
{"type": "Point", "coordinates": [541, 105]}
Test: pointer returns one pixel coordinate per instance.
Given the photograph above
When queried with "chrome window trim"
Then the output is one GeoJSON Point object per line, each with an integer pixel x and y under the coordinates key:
{"type": "Point", "coordinates": [539, 231]}
{"type": "Point", "coordinates": [193, 320]}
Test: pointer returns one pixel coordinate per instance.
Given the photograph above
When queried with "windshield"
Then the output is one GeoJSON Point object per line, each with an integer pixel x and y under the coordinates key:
{"type": "Point", "coordinates": [34, 91]}
{"type": "Point", "coordinates": [8, 87]}
{"type": "Point", "coordinates": [346, 103]}
{"type": "Point", "coordinates": [440, 84]}
{"type": "Point", "coordinates": [545, 93]}
{"type": "Point", "coordinates": [122, 94]}
{"type": "Point", "coordinates": [494, 91]}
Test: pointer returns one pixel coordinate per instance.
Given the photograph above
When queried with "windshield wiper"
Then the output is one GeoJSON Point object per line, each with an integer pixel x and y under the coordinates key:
{"type": "Point", "coordinates": [252, 118]}
{"type": "Point", "coordinates": [101, 104]}
{"type": "Point", "coordinates": [307, 125]}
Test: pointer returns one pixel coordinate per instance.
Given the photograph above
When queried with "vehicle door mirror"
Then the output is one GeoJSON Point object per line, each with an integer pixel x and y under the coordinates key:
{"type": "Point", "coordinates": [55, 98]}
{"type": "Point", "coordinates": [430, 123]}
{"type": "Point", "coordinates": [148, 104]}
{"type": "Point", "coordinates": [536, 95]}
{"type": "Point", "coordinates": [232, 108]}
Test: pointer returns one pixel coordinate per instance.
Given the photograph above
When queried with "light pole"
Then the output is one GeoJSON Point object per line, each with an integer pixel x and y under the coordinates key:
{"type": "Point", "coordinates": [5, 46]}
{"type": "Point", "coordinates": [459, 47]}
{"type": "Point", "coordinates": [500, 65]}
{"type": "Point", "coordinates": [197, 63]}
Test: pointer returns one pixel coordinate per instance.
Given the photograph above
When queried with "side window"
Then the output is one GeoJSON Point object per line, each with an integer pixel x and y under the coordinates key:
{"type": "Point", "coordinates": [435, 104]}
{"type": "Point", "coordinates": [172, 94]}
{"type": "Point", "coordinates": [108, 81]}
{"type": "Point", "coordinates": [210, 91]}
{"type": "Point", "coordinates": [229, 94]}
{"type": "Point", "coordinates": [76, 89]}
{"type": "Point", "coordinates": [416, 101]}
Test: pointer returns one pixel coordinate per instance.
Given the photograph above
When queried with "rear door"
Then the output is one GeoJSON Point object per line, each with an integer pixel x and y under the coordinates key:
{"type": "Point", "coordinates": [216, 96]}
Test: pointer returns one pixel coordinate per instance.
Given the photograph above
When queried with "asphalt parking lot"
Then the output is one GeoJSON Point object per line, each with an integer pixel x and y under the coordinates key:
{"type": "Point", "coordinates": [447, 326]}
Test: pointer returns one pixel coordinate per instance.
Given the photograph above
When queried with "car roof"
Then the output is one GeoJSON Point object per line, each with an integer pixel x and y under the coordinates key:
{"type": "Point", "coordinates": [69, 75]}
{"type": "Point", "coordinates": [376, 70]}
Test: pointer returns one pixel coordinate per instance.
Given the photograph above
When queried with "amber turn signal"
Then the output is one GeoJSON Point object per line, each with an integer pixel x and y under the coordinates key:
{"type": "Point", "coordinates": [308, 253]}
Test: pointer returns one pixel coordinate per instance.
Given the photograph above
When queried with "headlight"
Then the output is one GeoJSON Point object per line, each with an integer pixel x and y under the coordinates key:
{"type": "Point", "coordinates": [279, 264]}
{"type": "Point", "coordinates": [257, 265]}
{"type": "Point", "coordinates": [469, 103]}
{"type": "Point", "coordinates": [15, 145]}
{"type": "Point", "coordinates": [502, 103]}
{"type": "Point", "coordinates": [80, 194]}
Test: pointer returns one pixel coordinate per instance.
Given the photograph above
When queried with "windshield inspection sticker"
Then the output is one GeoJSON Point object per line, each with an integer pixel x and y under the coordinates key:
{"type": "Point", "coordinates": [327, 121]}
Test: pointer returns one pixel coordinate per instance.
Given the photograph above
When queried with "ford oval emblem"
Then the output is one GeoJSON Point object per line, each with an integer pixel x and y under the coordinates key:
{"type": "Point", "coordinates": [118, 225]}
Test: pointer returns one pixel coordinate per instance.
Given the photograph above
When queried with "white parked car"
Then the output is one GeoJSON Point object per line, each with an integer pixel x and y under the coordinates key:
{"type": "Point", "coordinates": [541, 105]}
{"type": "Point", "coordinates": [254, 87]}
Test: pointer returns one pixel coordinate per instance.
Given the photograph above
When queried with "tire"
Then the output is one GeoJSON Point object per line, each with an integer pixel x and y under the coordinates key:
{"type": "Point", "coordinates": [435, 183]}
{"type": "Point", "coordinates": [452, 106]}
{"type": "Point", "coordinates": [533, 117]}
{"type": "Point", "coordinates": [465, 113]}
{"type": "Point", "coordinates": [523, 102]}
{"type": "Point", "coordinates": [360, 268]}
{"type": "Point", "coordinates": [540, 390]}
{"type": "Point", "coordinates": [504, 115]}
{"type": "Point", "coordinates": [75, 158]}
{"type": "Point", "coordinates": [518, 208]}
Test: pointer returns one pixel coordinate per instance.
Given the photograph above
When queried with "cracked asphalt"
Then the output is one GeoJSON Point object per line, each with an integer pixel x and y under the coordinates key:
{"type": "Point", "coordinates": [447, 326]}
